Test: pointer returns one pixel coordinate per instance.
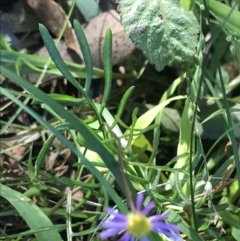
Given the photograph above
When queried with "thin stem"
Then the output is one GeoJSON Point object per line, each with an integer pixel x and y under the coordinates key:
{"type": "Point", "coordinates": [121, 168]}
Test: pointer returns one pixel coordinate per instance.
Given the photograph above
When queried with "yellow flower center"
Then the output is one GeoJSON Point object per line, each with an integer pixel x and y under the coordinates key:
{"type": "Point", "coordinates": [138, 225]}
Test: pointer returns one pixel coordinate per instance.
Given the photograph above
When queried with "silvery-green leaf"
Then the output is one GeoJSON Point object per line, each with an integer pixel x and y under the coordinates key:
{"type": "Point", "coordinates": [164, 31]}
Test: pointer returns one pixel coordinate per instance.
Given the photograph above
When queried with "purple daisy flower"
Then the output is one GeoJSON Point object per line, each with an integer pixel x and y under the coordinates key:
{"type": "Point", "coordinates": [137, 226]}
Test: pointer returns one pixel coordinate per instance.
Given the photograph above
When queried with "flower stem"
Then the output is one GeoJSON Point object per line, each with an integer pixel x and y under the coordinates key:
{"type": "Point", "coordinates": [121, 168]}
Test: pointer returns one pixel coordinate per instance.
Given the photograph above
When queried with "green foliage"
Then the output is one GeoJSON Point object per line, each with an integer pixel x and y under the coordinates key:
{"type": "Point", "coordinates": [88, 9]}
{"type": "Point", "coordinates": [162, 30]}
{"type": "Point", "coordinates": [4, 44]}
{"type": "Point", "coordinates": [179, 171]}
{"type": "Point", "coordinates": [37, 221]}
{"type": "Point", "coordinates": [228, 17]}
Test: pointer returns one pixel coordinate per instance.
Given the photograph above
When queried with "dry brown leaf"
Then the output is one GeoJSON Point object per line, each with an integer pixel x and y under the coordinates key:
{"type": "Point", "coordinates": [95, 32]}
{"type": "Point", "coordinates": [11, 165]}
{"type": "Point", "coordinates": [51, 159]}
{"type": "Point", "coordinates": [53, 17]}
{"type": "Point", "coordinates": [229, 150]}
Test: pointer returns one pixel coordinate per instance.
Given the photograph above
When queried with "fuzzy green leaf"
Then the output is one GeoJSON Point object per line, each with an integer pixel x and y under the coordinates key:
{"type": "Point", "coordinates": [164, 31]}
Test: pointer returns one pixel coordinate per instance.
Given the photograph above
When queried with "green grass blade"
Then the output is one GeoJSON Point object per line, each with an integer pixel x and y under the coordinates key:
{"type": "Point", "coordinates": [86, 54]}
{"type": "Point", "coordinates": [45, 148]}
{"type": "Point", "coordinates": [187, 4]}
{"type": "Point", "coordinates": [179, 189]}
{"type": "Point", "coordinates": [146, 119]}
{"type": "Point", "coordinates": [221, 12]}
{"type": "Point", "coordinates": [107, 63]}
{"type": "Point", "coordinates": [8, 59]}
{"type": "Point", "coordinates": [63, 99]}
{"type": "Point", "coordinates": [123, 103]}
{"type": "Point", "coordinates": [188, 231]}
{"type": "Point", "coordinates": [89, 9]}
{"type": "Point", "coordinates": [76, 124]}
{"type": "Point", "coordinates": [57, 59]}
{"type": "Point", "coordinates": [230, 218]}
{"type": "Point", "coordinates": [85, 161]}
{"type": "Point", "coordinates": [227, 106]}
{"type": "Point", "coordinates": [31, 213]}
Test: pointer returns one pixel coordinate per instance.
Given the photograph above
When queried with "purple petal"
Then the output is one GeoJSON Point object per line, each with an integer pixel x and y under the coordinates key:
{"type": "Point", "coordinates": [126, 237]}
{"type": "Point", "coordinates": [169, 230]}
{"type": "Point", "coordinates": [165, 227]}
{"type": "Point", "coordinates": [145, 238]}
{"type": "Point", "coordinates": [117, 215]}
{"type": "Point", "coordinates": [148, 208]}
{"type": "Point", "coordinates": [132, 238]}
{"type": "Point", "coordinates": [139, 201]}
{"type": "Point", "coordinates": [111, 210]}
{"type": "Point", "coordinates": [115, 225]}
{"type": "Point", "coordinates": [158, 217]}
{"type": "Point", "coordinates": [108, 233]}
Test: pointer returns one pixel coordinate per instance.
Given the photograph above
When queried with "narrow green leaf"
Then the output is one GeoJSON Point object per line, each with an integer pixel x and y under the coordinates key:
{"type": "Point", "coordinates": [30, 168]}
{"type": "Point", "coordinates": [31, 213]}
{"type": "Point", "coordinates": [188, 231]}
{"type": "Point", "coordinates": [179, 189]}
{"type": "Point", "coordinates": [59, 227]}
{"type": "Point", "coordinates": [187, 4]}
{"type": "Point", "coordinates": [57, 59]}
{"type": "Point", "coordinates": [214, 235]}
{"type": "Point", "coordinates": [236, 233]}
{"type": "Point", "coordinates": [63, 99]}
{"type": "Point", "coordinates": [221, 12]}
{"type": "Point", "coordinates": [107, 58]}
{"type": "Point", "coordinates": [123, 103]}
{"type": "Point", "coordinates": [4, 44]}
{"type": "Point", "coordinates": [45, 148]}
{"type": "Point", "coordinates": [147, 118]}
{"type": "Point", "coordinates": [76, 124]}
{"type": "Point", "coordinates": [89, 9]}
{"type": "Point", "coordinates": [86, 54]}
{"type": "Point", "coordinates": [8, 59]}
{"type": "Point", "coordinates": [230, 218]}
{"type": "Point", "coordinates": [107, 157]}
